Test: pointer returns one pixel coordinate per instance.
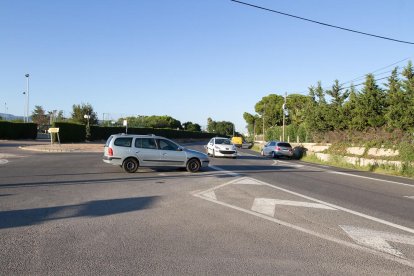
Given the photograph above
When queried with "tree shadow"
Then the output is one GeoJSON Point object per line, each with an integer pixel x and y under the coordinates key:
{"type": "Point", "coordinates": [96, 208]}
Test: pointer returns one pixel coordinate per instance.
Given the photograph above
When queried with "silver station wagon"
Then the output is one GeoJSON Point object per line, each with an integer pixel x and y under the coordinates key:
{"type": "Point", "coordinates": [132, 151]}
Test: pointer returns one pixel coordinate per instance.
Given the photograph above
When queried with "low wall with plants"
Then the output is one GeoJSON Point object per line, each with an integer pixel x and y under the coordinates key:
{"type": "Point", "coordinates": [10, 130]}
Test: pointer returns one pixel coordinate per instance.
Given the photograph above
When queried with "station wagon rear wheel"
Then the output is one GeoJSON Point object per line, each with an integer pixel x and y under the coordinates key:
{"type": "Point", "coordinates": [193, 165]}
{"type": "Point", "coordinates": [130, 165]}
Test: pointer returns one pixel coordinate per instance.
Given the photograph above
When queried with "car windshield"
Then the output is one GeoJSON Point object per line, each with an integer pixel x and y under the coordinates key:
{"type": "Point", "coordinates": [223, 141]}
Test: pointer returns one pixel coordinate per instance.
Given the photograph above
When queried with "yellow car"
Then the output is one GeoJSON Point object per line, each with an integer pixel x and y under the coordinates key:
{"type": "Point", "coordinates": [237, 141]}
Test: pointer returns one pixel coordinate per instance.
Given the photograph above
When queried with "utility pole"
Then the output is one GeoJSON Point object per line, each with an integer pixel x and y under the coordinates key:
{"type": "Point", "coordinates": [27, 91]}
{"type": "Point", "coordinates": [263, 119]}
{"type": "Point", "coordinates": [283, 111]}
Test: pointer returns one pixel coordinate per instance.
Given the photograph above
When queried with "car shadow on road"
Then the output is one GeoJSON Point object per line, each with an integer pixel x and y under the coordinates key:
{"type": "Point", "coordinates": [96, 208]}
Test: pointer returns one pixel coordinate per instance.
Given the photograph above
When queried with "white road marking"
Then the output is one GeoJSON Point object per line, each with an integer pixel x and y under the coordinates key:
{"type": "Point", "coordinates": [210, 194]}
{"type": "Point", "coordinates": [3, 161]}
{"type": "Point", "coordinates": [378, 239]}
{"type": "Point", "coordinates": [411, 197]}
{"type": "Point", "coordinates": [371, 178]}
{"type": "Point", "coordinates": [267, 206]}
{"type": "Point", "coordinates": [309, 232]}
{"type": "Point", "coordinates": [277, 162]}
{"type": "Point", "coordinates": [224, 171]}
{"type": "Point", "coordinates": [247, 181]}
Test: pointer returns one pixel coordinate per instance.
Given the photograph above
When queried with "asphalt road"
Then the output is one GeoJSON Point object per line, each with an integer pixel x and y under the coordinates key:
{"type": "Point", "coordinates": [69, 213]}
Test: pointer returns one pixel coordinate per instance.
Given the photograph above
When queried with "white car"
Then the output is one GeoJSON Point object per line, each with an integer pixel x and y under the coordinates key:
{"type": "Point", "coordinates": [219, 146]}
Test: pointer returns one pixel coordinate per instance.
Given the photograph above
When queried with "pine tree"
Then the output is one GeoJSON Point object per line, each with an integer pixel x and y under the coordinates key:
{"type": "Point", "coordinates": [408, 90]}
{"type": "Point", "coordinates": [396, 102]}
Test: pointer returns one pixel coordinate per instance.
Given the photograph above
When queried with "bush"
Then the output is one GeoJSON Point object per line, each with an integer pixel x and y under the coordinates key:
{"type": "Point", "coordinates": [70, 132]}
{"type": "Point", "coordinates": [292, 132]}
{"type": "Point", "coordinates": [9, 130]}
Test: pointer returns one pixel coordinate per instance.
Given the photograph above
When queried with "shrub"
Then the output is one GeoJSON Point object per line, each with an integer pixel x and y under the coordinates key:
{"type": "Point", "coordinates": [10, 130]}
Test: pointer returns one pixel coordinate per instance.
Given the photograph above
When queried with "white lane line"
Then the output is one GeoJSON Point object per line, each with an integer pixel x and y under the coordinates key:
{"type": "Point", "coordinates": [246, 154]}
{"type": "Point", "coordinates": [247, 181]}
{"type": "Point", "coordinates": [371, 178]}
{"type": "Point", "coordinates": [310, 232]}
{"type": "Point", "coordinates": [410, 197]}
{"type": "Point", "coordinates": [224, 171]}
{"type": "Point", "coordinates": [378, 239]}
{"type": "Point", "coordinates": [3, 161]}
{"type": "Point", "coordinates": [277, 162]}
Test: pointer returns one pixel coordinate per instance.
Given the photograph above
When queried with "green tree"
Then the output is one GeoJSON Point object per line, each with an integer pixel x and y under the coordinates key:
{"type": "Point", "coordinates": [254, 123]}
{"type": "Point", "coordinates": [296, 105]}
{"type": "Point", "coordinates": [317, 110]}
{"type": "Point", "coordinates": [335, 111]}
{"type": "Point", "coordinates": [189, 126]}
{"type": "Point", "coordinates": [221, 128]}
{"type": "Point", "coordinates": [408, 90]}
{"type": "Point", "coordinates": [80, 110]}
{"type": "Point", "coordinates": [270, 108]}
{"type": "Point", "coordinates": [39, 116]}
{"type": "Point", "coordinates": [371, 104]}
{"type": "Point", "coordinates": [397, 104]}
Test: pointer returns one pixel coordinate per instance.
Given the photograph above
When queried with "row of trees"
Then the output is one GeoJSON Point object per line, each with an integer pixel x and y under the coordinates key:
{"type": "Point", "coordinates": [44, 118]}
{"type": "Point", "coordinates": [159, 122]}
{"type": "Point", "coordinates": [339, 108]}
{"type": "Point", "coordinates": [221, 127]}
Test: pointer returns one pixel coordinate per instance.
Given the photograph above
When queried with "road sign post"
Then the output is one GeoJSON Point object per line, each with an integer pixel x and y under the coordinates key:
{"type": "Point", "coordinates": [51, 131]}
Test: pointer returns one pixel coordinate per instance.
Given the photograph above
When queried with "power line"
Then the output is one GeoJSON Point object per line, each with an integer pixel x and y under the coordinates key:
{"type": "Point", "coordinates": [321, 23]}
{"type": "Point", "coordinates": [377, 70]}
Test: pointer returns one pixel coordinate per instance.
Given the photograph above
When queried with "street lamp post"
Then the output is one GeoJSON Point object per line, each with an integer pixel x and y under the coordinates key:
{"type": "Point", "coordinates": [88, 129]}
{"type": "Point", "coordinates": [27, 91]}
{"type": "Point", "coordinates": [24, 107]}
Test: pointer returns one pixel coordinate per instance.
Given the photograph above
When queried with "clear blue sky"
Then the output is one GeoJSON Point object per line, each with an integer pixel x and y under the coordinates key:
{"type": "Point", "coordinates": [190, 59]}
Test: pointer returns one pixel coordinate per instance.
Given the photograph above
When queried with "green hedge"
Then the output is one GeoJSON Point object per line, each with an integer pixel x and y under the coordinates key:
{"type": "Point", "coordinates": [9, 130]}
{"type": "Point", "coordinates": [70, 132]}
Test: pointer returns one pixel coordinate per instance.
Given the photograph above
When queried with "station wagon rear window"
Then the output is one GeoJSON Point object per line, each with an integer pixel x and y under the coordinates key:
{"type": "Point", "coordinates": [123, 142]}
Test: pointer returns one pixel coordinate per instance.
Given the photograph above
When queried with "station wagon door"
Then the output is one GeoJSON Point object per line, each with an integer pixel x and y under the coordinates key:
{"type": "Point", "coordinates": [171, 154]}
{"type": "Point", "coordinates": [147, 152]}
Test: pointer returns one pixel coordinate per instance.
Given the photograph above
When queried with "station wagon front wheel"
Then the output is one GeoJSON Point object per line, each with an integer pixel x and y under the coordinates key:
{"type": "Point", "coordinates": [130, 165]}
{"type": "Point", "coordinates": [193, 165]}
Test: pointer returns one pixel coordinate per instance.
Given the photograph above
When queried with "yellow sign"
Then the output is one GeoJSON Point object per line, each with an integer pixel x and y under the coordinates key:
{"type": "Point", "coordinates": [53, 130]}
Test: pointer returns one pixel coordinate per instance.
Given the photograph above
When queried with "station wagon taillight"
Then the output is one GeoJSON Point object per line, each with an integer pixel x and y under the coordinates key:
{"type": "Point", "coordinates": [277, 148]}
{"type": "Point", "coordinates": [110, 152]}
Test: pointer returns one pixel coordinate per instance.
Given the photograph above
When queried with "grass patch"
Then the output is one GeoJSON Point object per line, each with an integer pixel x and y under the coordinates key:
{"type": "Point", "coordinates": [407, 169]}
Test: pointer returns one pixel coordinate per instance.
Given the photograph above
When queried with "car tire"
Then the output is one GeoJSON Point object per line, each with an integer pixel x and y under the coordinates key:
{"type": "Point", "coordinates": [274, 155]}
{"type": "Point", "coordinates": [130, 165]}
{"type": "Point", "coordinates": [193, 165]}
{"type": "Point", "coordinates": [214, 153]}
